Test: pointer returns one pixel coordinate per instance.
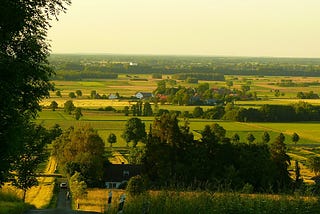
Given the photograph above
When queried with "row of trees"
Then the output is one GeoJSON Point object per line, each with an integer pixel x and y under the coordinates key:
{"type": "Point", "coordinates": [115, 64]}
{"type": "Point", "coordinates": [174, 158]}
{"type": "Point", "coordinates": [301, 111]}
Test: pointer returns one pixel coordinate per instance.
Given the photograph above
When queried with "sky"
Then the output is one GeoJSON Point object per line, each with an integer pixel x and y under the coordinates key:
{"type": "Point", "coordinates": [271, 28]}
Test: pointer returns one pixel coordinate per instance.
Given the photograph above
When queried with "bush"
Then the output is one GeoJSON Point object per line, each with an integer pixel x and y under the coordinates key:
{"type": "Point", "coordinates": [247, 188]}
{"type": "Point", "coordinates": [136, 186]}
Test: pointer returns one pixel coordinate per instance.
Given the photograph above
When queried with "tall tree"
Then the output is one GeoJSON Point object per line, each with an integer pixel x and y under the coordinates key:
{"type": "Point", "coordinates": [295, 138]}
{"type": "Point", "coordinates": [147, 110]}
{"type": "Point", "coordinates": [265, 137]}
{"type": "Point", "coordinates": [81, 150]}
{"type": "Point", "coordinates": [24, 68]}
{"type": "Point", "coordinates": [281, 161]}
{"type": "Point", "coordinates": [112, 138]}
{"type": "Point", "coordinates": [69, 107]}
{"type": "Point", "coordinates": [53, 105]}
{"type": "Point", "coordinates": [78, 113]}
{"type": "Point", "coordinates": [134, 131]}
{"type": "Point", "coordinates": [33, 153]}
{"type": "Point", "coordinates": [78, 187]}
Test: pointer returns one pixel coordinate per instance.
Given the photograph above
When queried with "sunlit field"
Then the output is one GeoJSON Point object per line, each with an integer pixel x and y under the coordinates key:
{"type": "Point", "coordinates": [112, 122]}
{"type": "Point", "coordinates": [41, 195]}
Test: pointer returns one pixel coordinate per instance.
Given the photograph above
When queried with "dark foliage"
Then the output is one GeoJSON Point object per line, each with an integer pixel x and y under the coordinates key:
{"type": "Point", "coordinates": [24, 69]}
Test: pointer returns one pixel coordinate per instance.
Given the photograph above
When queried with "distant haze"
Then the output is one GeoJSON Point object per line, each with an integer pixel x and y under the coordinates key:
{"type": "Point", "coordinates": [282, 28]}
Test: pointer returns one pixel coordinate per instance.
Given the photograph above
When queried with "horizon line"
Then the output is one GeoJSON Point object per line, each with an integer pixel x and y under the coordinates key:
{"type": "Point", "coordinates": [186, 55]}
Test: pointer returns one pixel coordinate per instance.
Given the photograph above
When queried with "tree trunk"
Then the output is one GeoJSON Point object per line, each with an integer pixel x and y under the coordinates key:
{"type": "Point", "coordinates": [24, 195]}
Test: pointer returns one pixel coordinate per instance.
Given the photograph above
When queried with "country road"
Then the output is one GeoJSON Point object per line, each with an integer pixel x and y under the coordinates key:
{"type": "Point", "coordinates": [63, 207]}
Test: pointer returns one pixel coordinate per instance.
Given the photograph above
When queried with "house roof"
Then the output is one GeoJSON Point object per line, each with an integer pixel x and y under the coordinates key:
{"type": "Point", "coordinates": [121, 172]}
{"type": "Point", "coordinates": [145, 94]}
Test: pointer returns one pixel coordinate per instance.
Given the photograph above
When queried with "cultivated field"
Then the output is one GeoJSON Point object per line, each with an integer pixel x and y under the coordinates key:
{"type": "Point", "coordinates": [111, 122]}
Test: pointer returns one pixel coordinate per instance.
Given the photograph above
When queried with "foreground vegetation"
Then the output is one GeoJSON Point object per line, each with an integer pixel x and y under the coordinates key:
{"type": "Point", "coordinates": [200, 202]}
{"type": "Point", "coordinates": [11, 203]}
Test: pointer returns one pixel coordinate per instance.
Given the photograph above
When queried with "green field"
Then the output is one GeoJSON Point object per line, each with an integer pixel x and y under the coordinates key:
{"type": "Point", "coordinates": [111, 122]}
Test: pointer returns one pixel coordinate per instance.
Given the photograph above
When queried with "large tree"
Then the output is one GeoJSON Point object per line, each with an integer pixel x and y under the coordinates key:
{"type": "Point", "coordinates": [81, 150]}
{"type": "Point", "coordinates": [24, 69]}
{"type": "Point", "coordinates": [134, 131]}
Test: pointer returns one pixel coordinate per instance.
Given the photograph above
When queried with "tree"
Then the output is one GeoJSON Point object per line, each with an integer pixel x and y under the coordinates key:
{"type": "Point", "coordinates": [78, 93]}
{"type": "Point", "coordinates": [24, 69]}
{"type": "Point", "coordinates": [78, 187]}
{"type": "Point", "coordinates": [112, 138]}
{"type": "Point", "coordinates": [235, 138]}
{"type": "Point", "coordinates": [134, 131]}
{"type": "Point", "coordinates": [295, 138]}
{"type": "Point", "coordinates": [219, 131]}
{"type": "Point", "coordinates": [250, 138]}
{"type": "Point", "coordinates": [126, 110]}
{"type": "Point", "coordinates": [53, 105]}
{"type": "Point", "coordinates": [229, 83]}
{"type": "Point", "coordinates": [54, 132]}
{"type": "Point", "coordinates": [197, 112]}
{"type": "Point", "coordinates": [281, 161]}
{"type": "Point", "coordinates": [81, 150]}
{"type": "Point", "coordinates": [245, 88]}
{"type": "Point", "coordinates": [78, 113]}
{"type": "Point", "coordinates": [58, 93]}
{"type": "Point", "coordinates": [33, 153]}
{"type": "Point", "coordinates": [72, 95]}
{"type": "Point", "coordinates": [69, 107]}
{"type": "Point", "coordinates": [136, 186]}
{"type": "Point", "coordinates": [265, 137]}
{"type": "Point", "coordinates": [93, 94]}
{"type": "Point", "coordinates": [147, 110]}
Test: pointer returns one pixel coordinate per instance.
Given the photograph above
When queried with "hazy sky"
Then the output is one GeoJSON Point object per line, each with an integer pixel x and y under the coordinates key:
{"type": "Point", "coordinates": [190, 27]}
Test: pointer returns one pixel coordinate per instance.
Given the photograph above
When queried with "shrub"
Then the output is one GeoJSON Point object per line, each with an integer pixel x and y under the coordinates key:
{"type": "Point", "coordinates": [136, 186]}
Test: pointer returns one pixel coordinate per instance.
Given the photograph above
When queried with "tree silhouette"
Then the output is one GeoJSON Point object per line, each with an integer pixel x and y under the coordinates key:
{"type": "Point", "coordinates": [112, 138]}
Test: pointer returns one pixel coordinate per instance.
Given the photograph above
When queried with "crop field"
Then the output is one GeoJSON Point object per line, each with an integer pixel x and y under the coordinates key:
{"type": "Point", "coordinates": [110, 122]}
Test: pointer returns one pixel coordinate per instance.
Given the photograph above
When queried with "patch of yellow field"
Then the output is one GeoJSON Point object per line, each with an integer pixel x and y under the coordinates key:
{"type": "Point", "coordinates": [86, 103]}
{"type": "Point", "coordinates": [40, 196]}
{"type": "Point", "coordinates": [117, 158]}
{"type": "Point", "coordinates": [97, 200]}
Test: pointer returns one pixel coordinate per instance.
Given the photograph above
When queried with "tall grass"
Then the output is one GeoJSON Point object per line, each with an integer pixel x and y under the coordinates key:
{"type": "Point", "coordinates": [11, 203]}
{"type": "Point", "coordinates": [205, 202]}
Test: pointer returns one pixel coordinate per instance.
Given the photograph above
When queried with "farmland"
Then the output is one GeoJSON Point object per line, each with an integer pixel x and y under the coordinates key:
{"type": "Point", "coordinates": [106, 122]}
